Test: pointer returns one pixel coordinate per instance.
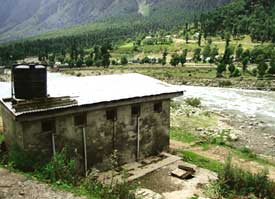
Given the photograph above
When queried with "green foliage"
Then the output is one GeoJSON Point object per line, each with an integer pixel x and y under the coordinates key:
{"type": "Point", "coordinates": [24, 160]}
{"type": "Point", "coordinates": [201, 161]}
{"type": "Point", "coordinates": [214, 53]}
{"type": "Point", "coordinates": [182, 135]}
{"type": "Point", "coordinates": [255, 18]}
{"type": "Point", "coordinates": [175, 60]}
{"type": "Point", "coordinates": [239, 52]}
{"type": "Point", "coordinates": [262, 68]}
{"type": "Point", "coordinates": [2, 138]}
{"type": "Point", "coordinates": [271, 69]}
{"type": "Point", "coordinates": [197, 55]}
{"type": "Point", "coordinates": [89, 61]}
{"type": "Point", "coordinates": [206, 52]}
{"type": "Point", "coordinates": [182, 57]}
{"type": "Point", "coordinates": [234, 181]}
{"type": "Point", "coordinates": [193, 101]}
{"type": "Point", "coordinates": [231, 69]}
{"type": "Point", "coordinates": [60, 168]}
{"type": "Point", "coordinates": [221, 67]}
{"type": "Point", "coordinates": [123, 60]}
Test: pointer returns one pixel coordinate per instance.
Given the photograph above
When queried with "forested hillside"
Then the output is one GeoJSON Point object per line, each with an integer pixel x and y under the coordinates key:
{"type": "Point", "coordinates": [162, 16]}
{"type": "Point", "coordinates": [23, 18]}
{"type": "Point", "coordinates": [253, 17]}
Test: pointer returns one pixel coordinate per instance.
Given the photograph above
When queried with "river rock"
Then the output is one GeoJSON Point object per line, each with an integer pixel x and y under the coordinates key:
{"type": "Point", "coordinates": [233, 137]}
{"type": "Point", "coordinates": [199, 129]}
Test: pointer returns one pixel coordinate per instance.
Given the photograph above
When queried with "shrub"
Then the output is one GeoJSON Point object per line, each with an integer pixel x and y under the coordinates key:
{"type": "Point", "coordinates": [60, 168]}
{"type": "Point", "coordinates": [1, 138]}
{"type": "Point", "coordinates": [24, 160]}
{"type": "Point", "coordinates": [193, 101]}
{"type": "Point", "coordinates": [233, 180]}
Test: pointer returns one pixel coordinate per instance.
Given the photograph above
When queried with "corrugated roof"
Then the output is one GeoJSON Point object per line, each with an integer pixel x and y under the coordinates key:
{"type": "Point", "coordinates": [96, 89]}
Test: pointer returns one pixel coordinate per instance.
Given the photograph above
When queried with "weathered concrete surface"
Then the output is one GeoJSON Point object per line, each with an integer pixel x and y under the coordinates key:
{"type": "Point", "coordinates": [102, 136]}
{"type": "Point", "coordinates": [15, 186]}
{"type": "Point", "coordinates": [169, 187]}
{"type": "Point", "coordinates": [137, 170]}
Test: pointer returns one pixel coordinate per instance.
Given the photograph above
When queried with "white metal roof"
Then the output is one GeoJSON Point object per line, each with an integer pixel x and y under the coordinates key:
{"type": "Point", "coordinates": [96, 89]}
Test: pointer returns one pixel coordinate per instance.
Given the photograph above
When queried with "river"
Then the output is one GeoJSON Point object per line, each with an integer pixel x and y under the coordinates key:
{"type": "Point", "coordinates": [241, 103]}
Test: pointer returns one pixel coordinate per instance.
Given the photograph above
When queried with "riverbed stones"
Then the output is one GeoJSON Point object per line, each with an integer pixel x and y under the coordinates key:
{"type": "Point", "coordinates": [233, 137]}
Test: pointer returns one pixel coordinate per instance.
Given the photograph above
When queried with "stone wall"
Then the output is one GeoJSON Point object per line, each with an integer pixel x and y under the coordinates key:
{"type": "Point", "coordinates": [102, 135]}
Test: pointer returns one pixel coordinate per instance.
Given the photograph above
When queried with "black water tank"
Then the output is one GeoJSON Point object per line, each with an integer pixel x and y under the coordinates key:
{"type": "Point", "coordinates": [29, 81]}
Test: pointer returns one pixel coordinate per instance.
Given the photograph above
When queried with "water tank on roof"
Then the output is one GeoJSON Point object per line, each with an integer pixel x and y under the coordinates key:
{"type": "Point", "coordinates": [29, 81]}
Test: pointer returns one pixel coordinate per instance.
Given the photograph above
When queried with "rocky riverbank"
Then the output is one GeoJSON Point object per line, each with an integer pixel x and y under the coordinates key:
{"type": "Point", "coordinates": [251, 84]}
{"type": "Point", "coordinates": [245, 133]}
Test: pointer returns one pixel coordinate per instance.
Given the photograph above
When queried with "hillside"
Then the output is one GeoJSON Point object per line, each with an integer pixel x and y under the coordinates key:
{"type": "Point", "coordinates": [255, 17]}
{"type": "Point", "coordinates": [23, 18]}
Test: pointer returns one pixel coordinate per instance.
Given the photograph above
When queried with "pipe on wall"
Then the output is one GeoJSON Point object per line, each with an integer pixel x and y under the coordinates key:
{"type": "Point", "coordinates": [53, 144]}
{"type": "Point", "coordinates": [85, 150]}
{"type": "Point", "coordinates": [138, 138]}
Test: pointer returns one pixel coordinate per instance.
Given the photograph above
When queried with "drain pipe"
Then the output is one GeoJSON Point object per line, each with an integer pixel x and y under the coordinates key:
{"type": "Point", "coordinates": [53, 144]}
{"type": "Point", "coordinates": [138, 139]}
{"type": "Point", "coordinates": [85, 150]}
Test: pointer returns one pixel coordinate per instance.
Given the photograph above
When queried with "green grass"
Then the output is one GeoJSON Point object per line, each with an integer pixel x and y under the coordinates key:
{"type": "Point", "coordinates": [247, 154]}
{"type": "Point", "coordinates": [182, 136]}
{"type": "Point", "coordinates": [201, 161]}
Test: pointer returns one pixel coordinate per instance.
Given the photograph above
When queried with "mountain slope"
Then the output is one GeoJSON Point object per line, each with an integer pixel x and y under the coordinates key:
{"type": "Point", "coordinates": [22, 18]}
{"type": "Point", "coordinates": [254, 17]}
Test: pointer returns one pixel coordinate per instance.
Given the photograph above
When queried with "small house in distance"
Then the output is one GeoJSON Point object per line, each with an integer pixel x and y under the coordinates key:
{"type": "Point", "coordinates": [92, 116]}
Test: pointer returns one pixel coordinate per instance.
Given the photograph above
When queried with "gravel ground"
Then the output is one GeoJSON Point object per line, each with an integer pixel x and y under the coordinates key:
{"type": "Point", "coordinates": [16, 186]}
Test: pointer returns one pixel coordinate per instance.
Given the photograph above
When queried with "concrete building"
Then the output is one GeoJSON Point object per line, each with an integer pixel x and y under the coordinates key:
{"type": "Point", "coordinates": [93, 116]}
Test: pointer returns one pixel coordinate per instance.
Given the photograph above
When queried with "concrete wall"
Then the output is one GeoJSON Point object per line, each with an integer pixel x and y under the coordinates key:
{"type": "Point", "coordinates": [102, 135]}
{"type": "Point", "coordinates": [12, 129]}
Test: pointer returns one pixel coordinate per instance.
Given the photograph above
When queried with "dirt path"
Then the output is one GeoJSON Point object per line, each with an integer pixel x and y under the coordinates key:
{"type": "Point", "coordinates": [220, 153]}
{"type": "Point", "coordinates": [14, 186]}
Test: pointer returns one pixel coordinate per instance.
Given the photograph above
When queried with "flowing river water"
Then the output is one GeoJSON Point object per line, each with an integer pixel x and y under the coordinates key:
{"type": "Point", "coordinates": [242, 106]}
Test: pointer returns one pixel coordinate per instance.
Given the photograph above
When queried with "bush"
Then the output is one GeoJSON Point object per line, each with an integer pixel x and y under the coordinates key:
{"type": "Point", "coordinates": [237, 182]}
{"type": "Point", "coordinates": [24, 160]}
{"type": "Point", "coordinates": [225, 83]}
{"type": "Point", "coordinates": [193, 101]}
{"type": "Point", "coordinates": [1, 138]}
{"type": "Point", "coordinates": [60, 168]}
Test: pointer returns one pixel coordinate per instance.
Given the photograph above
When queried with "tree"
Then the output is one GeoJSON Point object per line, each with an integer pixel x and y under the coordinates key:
{"type": "Point", "coordinates": [245, 62]}
{"type": "Point", "coordinates": [79, 62]}
{"type": "Point", "coordinates": [239, 52]}
{"type": "Point", "coordinates": [197, 55]}
{"type": "Point", "coordinates": [206, 52]}
{"type": "Point", "coordinates": [186, 35]}
{"type": "Point", "coordinates": [89, 61]}
{"type": "Point", "coordinates": [214, 53]}
{"type": "Point", "coordinates": [221, 67]}
{"type": "Point", "coordinates": [105, 55]}
{"type": "Point", "coordinates": [164, 57]}
{"type": "Point", "coordinates": [199, 39]}
{"type": "Point", "coordinates": [231, 69]}
{"type": "Point", "coordinates": [182, 57]}
{"type": "Point", "coordinates": [228, 55]}
{"type": "Point", "coordinates": [271, 69]}
{"type": "Point", "coordinates": [175, 60]}
{"type": "Point", "coordinates": [61, 58]}
{"type": "Point", "coordinates": [261, 66]}
{"type": "Point", "coordinates": [227, 37]}
{"type": "Point", "coordinates": [123, 60]}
